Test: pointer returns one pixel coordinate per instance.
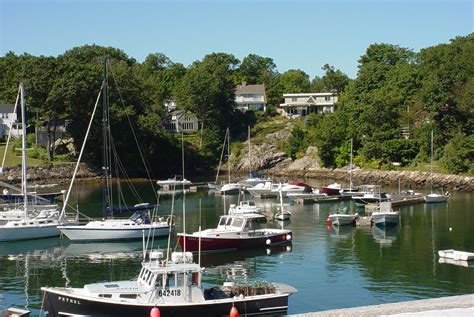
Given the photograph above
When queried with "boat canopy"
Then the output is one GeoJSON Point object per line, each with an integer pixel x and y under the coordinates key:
{"type": "Point", "coordinates": [109, 211]}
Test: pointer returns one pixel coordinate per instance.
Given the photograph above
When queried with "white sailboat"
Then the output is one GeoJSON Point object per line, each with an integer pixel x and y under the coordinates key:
{"type": "Point", "coordinates": [41, 225]}
{"type": "Point", "coordinates": [140, 224]}
{"type": "Point", "coordinates": [434, 197]}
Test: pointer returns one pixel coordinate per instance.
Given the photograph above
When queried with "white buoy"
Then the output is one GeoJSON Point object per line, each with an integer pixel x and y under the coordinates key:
{"type": "Point", "coordinates": [268, 242]}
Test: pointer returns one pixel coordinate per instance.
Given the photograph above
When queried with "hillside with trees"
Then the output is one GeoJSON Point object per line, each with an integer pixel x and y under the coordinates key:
{"type": "Point", "coordinates": [397, 93]}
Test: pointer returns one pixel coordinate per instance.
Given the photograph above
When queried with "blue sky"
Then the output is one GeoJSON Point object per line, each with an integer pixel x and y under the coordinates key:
{"type": "Point", "coordinates": [298, 34]}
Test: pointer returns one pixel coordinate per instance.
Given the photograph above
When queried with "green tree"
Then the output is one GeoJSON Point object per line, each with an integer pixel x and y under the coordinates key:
{"type": "Point", "coordinates": [459, 154]}
{"type": "Point", "coordinates": [208, 91]}
{"type": "Point", "coordinates": [294, 81]}
{"type": "Point", "coordinates": [333, 81]}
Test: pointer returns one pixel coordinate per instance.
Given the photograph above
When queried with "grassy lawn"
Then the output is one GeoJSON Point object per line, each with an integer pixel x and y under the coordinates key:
{"type": "Point", "coordinates": [14, 160]}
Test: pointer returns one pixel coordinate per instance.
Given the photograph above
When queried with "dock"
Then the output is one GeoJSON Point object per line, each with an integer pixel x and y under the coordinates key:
{"type": "Point", "coordinates": [452, 306]}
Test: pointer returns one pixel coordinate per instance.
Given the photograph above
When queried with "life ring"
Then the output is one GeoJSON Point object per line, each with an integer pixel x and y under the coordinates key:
{"type": "Point", "coordinates": [169, 220]}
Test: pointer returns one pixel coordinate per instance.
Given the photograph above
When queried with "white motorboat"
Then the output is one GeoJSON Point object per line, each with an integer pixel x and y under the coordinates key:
{"type": "Point", "coordinates": [386, 216]}
{"type": "Point", "coordinates": [456, 255]}
{"type": "Point", "coordinates": [170, 287]}
{"type": "Point", "coordinates": [174, 183]}
{"type": "Point", "coordinates": [264, 190]}
{"type": "Point", "coordinates": [285, 215]}
{"type": "Point", "coordinates": [369, 194]}
{"type": "Point", "coordinates": [294, 187]}
{"type": "Point", "coordinates": [342, 218]}
{"type": "Point", "coordinates": [247, 208]}
{"type": "Point", "coordinates": [436, 197]}
{"type": "Point", "coordinates": [230, 189]}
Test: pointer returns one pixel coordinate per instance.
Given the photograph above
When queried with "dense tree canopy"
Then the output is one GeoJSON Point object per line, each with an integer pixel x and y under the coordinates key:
{"type": "Point", "coordinates": [397, 93]}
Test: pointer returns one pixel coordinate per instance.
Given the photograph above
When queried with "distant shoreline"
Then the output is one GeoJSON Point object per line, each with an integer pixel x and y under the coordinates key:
{"type": "Point", "coordinates": [62, 174]}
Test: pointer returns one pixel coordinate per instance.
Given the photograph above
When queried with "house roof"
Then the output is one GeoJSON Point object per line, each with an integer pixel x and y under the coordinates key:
{"type": "Point", "coordinates": [250, 89]}
{"type": "Point", "coordinates": [7, 108]}
{"type": "Point", "coordinates": [315, 94]}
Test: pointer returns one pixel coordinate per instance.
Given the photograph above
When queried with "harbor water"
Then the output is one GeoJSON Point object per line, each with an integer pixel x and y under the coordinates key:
{"type": "Point", "coordinates": [331, 267]}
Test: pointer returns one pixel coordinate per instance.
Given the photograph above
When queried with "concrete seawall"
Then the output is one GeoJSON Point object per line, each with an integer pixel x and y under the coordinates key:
{"type": "Point", "coordinates": [452, 306]}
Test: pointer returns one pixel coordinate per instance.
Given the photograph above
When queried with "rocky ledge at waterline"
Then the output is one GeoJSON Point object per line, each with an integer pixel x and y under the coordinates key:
{"type": "Point", "coordinates": [276, 163]}
{"type": "Point", "coordinates": [47, 173]}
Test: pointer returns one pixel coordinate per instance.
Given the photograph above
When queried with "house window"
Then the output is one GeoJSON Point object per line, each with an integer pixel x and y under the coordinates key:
{"type": "Point", "coordinates": [294, 99]}
{"type": "Point", "coordinates": [327, 98]}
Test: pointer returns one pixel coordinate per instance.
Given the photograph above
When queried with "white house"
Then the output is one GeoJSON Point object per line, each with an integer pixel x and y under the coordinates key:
{"type": "Point", "coordinates": [302, 104]}
{"type": "Point", "coordinates": [182, 121]}
{"type": "Point", "coordinates": [9, 118]}
{"type": "Point", "coordinates": [250, 97]}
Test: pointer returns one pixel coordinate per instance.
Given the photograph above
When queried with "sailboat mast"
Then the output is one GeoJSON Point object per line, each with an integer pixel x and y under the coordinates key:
{"type": "Point", "coordinates": [23, 149]}
{"type": "Point", "coordinates": [105, 142]}
{"type": "Point", "coordinates": [250, 165]}
{"type": "Point", "coordinates": [431, 162]}
{"type": "Point", "coordinates": [350, 169]}
{"type": "Point", "coordinates": [228, 153]}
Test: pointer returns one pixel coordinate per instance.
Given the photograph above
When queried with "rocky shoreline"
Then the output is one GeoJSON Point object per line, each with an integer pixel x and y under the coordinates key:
{"type": "Point", "coordinates": [407, 179]}
{"type": "Point", "coordinates": [62, 174]}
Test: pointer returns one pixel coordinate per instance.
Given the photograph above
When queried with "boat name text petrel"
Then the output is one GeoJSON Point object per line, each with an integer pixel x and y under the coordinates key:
{"type": "Point", "coordinates": [69, 300]}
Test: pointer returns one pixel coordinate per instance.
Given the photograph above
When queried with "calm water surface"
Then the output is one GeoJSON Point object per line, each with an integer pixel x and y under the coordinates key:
{"type": "Point", "coordinates": [331, 268]}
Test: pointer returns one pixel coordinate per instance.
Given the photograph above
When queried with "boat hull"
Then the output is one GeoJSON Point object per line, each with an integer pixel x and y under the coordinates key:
{"type": "Point", "coordinates": [29, 232]}
{"type": "Point", "coordinates": [60, 303]}
{"type": "Point", "coordinates": [331, 191]}
{"type": "Point", "coordinates": [85, 234]}
{"type": "Point", "coordinates": [436, 198]}
{"type": "Point", "coordinates": [362, 201]}
{"type": "Point", "coordinates": [222, 243]}
{"type": "Point", "coordinates": [342, 220]}
{"type": "Point", "coordinates": [385, 219]}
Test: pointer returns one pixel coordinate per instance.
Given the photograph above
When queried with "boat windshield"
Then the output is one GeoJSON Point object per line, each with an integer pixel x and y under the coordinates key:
{"type": "Point", "coordinates": [222, 221]}
{"type": "Point", "coordinates": [237, 223]}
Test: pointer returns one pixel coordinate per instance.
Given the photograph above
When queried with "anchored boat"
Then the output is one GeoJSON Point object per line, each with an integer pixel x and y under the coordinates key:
{"type": "Point", "coordinates": [174, 287]}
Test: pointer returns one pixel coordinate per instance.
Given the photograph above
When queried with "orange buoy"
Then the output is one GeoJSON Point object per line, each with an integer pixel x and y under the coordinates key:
{"type": "Point", "coordinates": [155, 312]}
{"type": "Point", "coordinates": [234, 312]}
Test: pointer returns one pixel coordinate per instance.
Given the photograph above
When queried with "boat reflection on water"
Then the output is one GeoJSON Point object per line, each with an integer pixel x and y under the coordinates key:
{"type": "Point", "coordinates": [210, 260]}
{"type": "Point", "coordinates": [385, 236]}
{"type": "Point", "coordinates": [341, 232]}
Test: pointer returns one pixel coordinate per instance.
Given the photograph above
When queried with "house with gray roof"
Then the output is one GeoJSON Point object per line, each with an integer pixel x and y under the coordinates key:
{"type": "Point", "coordinates": [302, 104]}
{"type": "Point", "coordinates": [182, 121]}
{"type": "Point", "coordinates": [250, 97]}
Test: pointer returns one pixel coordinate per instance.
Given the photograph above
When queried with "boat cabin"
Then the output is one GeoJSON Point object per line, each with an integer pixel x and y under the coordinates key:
{"type": "Point", "coordinates": [165, 281]}
{"type": "Point", "coordinates": [233, 223]}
